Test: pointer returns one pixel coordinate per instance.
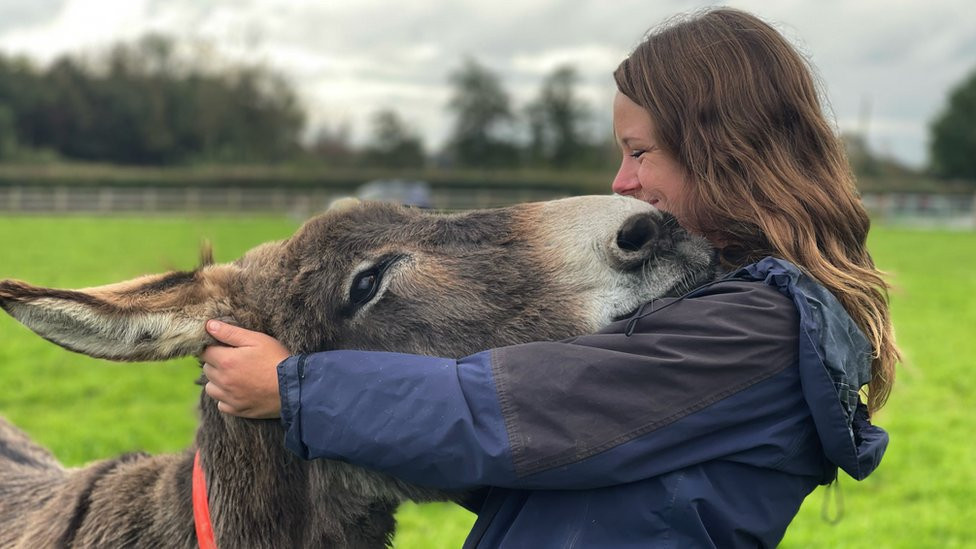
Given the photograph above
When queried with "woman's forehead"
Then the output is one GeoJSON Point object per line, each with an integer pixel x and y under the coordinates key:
{"type": "Point", "coordinates": [631, 122]}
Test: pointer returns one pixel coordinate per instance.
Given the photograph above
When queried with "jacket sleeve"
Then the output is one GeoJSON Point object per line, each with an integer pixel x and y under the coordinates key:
{"type": "Point", "coordinates": [597, 410]}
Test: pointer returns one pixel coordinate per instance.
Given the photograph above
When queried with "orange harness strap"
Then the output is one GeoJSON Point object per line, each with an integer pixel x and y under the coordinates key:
{"type": "Point", "coordinates": [201, 507]}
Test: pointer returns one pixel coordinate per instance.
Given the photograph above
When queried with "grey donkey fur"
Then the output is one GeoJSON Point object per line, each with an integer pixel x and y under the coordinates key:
{"type": "Point", "coordinates": [448, 285]}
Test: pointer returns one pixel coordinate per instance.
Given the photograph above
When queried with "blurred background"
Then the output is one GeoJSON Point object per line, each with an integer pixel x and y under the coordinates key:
{"type": "Point", "coordinates": [272, 104]}
{"type": "Point", "coordinates": [130, 130]}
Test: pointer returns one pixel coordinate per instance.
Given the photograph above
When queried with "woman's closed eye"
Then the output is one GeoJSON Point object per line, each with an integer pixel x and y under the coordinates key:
{"type": "Point", "coordinates": [637, 153]}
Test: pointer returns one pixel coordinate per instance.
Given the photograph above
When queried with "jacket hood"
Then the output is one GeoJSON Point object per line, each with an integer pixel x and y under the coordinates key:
{"type": "Point", "coordinates": [835, 362]}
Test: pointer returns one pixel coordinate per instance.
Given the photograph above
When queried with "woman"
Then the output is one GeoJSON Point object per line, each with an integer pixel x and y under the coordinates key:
{"type": "Point", "coordinates": [711, 421]}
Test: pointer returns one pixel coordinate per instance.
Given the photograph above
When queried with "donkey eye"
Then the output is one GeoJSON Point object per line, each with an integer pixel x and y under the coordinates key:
{"type": "Point", "coordinates": [364, 286]}
{"type": "Point", "coordinates": [367, 282]}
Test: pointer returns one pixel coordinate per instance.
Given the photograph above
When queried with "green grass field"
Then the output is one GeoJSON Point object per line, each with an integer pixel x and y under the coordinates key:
{"type": "Point", "coordinates": [924, 494]}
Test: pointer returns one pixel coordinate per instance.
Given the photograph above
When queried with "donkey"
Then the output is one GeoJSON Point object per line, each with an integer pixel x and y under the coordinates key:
{"type": "Point", "coordinates": [360, 276]}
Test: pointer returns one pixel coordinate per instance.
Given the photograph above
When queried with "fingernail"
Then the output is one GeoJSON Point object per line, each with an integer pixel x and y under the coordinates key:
{"type": "Point", "coordinates": [213, 326]}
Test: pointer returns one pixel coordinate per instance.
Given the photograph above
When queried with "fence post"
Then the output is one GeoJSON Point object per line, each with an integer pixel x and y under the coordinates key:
{"type": "Point", "coordinates": [61, 199]}
{"type": "Point", "coordinates": [884, 206]}
{"type": "Point", "coordinates": [278, 201]}
{"type": "Point", "coordinates": [149, 199]}
{"type": "Point", "coordinates": [235, 199]}
{"type": "Point", "coordinates": [192, 199]}
{"type": "Point", "coordinates": [16, 198]}
{"type": "Point", "coordinates": [972, 210]}
{"type": "Point", "coordinates": [105, 200]}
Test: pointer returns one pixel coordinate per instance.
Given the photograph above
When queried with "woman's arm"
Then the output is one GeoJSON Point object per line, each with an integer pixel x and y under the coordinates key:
{"type": "Point", "coordinates": [598, 410]}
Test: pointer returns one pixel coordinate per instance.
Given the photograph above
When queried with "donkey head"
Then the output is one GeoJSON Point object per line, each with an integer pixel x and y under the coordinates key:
{"type": "Point", "coordinates": [382, 277]}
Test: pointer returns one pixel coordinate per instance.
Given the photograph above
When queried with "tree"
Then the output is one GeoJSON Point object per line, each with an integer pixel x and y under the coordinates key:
{"type": "Point", "coordinates": [148, 102]}
{"type": "Point", "coordinates": [8, 132]}
{"type": "Point", "coordinates": [953, 134]}
{"type": "Point", "coordinates": [333, 144]}
{"type": "Point", "coordinates": [482, 110]}
{"type": "Point", "coordinates": [22, 94]}
{"type": "Point", "coordinates": [265, 119]}
{"type": "Point", "coordinates": [393, 144]}
{"type": "Point", "coordinates": [556, 119]}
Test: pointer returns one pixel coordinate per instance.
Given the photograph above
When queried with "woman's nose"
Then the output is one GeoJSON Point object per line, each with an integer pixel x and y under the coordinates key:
{"type": "Point", "coordinates": [626, 180]}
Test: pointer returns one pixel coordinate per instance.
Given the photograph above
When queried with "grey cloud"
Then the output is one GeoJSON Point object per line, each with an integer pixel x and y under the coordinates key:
{"type": "Point", "coordinates": [16, 14]}
{"type": "Point", "coordinates": [901, 57]}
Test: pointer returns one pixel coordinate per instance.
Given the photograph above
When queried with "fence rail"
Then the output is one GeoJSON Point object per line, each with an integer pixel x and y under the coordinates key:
{"type": "Point", "coordinates": [954, 210]}
{"type": "Point", "coordinates": [926, 209]}
{"type": "Point", "coordinates": [26, 199]}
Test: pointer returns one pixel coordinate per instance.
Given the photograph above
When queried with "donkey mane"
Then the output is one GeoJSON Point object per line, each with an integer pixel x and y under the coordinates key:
{"type": "Point", "coordinates": [445, 284]}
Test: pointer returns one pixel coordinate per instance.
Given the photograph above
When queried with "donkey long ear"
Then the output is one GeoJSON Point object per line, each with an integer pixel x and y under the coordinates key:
{"type": "Point", "coordinates": [149, 318]}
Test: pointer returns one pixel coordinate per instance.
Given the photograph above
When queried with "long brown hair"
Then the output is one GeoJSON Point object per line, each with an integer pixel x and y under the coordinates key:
{"type": "Point", "coordinates": [737, 107]}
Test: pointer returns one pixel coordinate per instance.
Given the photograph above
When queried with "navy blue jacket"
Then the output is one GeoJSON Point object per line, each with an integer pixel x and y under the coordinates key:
{"type": "Point", "coordinates": [703, 421]}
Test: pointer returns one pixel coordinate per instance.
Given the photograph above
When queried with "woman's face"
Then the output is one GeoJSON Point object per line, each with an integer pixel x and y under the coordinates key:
{"type": "Point", "coordinates": [646, 172]}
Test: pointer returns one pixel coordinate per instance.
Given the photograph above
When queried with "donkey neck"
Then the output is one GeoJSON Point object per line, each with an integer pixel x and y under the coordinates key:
{"type": "Point", "coordinates": [263, 495]}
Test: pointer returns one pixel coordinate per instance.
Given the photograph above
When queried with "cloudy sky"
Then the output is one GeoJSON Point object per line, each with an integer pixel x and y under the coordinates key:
{"type": "Point", "coordinates": [886, 65]}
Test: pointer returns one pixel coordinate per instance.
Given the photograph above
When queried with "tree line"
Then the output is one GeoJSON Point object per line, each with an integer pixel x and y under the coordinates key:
{"type": "Point", "coordinates": [144, 103]}
{"type": "Point", "coordinates": [150, 103]}
{"type": "Point", "coordinates": [488, 131]}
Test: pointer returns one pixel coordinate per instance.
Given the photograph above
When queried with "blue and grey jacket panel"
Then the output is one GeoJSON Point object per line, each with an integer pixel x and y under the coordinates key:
{"type": "Point", "coordinates": [706, 421]}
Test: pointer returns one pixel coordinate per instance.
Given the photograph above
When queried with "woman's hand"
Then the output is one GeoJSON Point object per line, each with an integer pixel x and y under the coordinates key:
{"type": "Point", "coordinates": [242, 376]}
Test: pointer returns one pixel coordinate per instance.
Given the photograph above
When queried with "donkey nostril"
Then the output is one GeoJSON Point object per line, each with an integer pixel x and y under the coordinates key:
{"type": "Point", "coordinates": [626, 245]}
{"type": "Point", "coordinates": [636, 232]}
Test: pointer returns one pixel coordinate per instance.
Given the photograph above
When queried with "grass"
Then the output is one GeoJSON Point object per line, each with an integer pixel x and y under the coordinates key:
{"type": "Point", "coordinates": [85, 409]}
{"type": "Point", "coordinates": [923, 494]}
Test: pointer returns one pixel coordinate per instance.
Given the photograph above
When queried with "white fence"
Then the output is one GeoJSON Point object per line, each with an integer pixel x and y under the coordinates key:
{"type": "Point", "coordinates": [930, 209]}
{"type": "Point", "coordinates": [923, 209]}
{"type": "Point", "coordinates": [181, 200]}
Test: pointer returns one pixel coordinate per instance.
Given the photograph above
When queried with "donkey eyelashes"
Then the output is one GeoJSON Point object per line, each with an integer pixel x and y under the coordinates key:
{"type": "Point", "coordinates": [366, 284]}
